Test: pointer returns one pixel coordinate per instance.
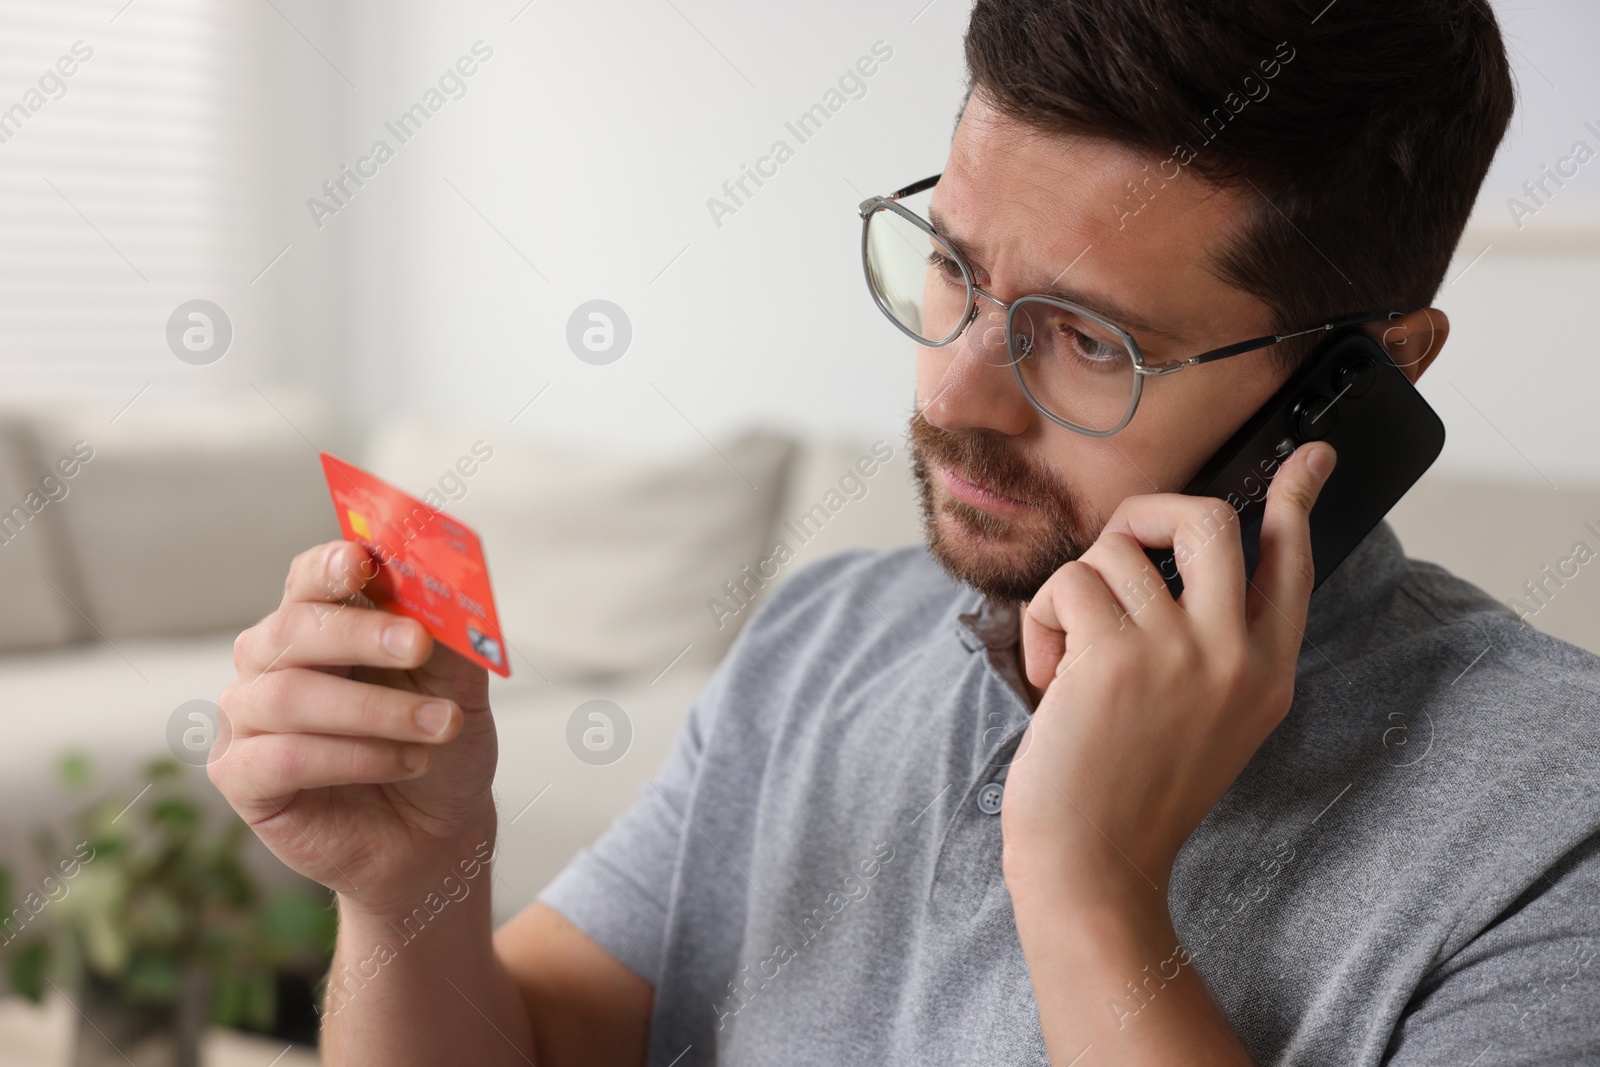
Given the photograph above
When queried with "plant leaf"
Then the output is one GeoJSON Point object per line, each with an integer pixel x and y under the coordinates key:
{"type": "Point", "coordinates": [261, 1000]}
{"type": "Point", "coordinates": [295, 922]}
{"type": "Point", "coordinates": [104, 944]}
{"type": "Point", "coordinates": [75, 769]}
{"type": "Point", "coordinates": [162, 767]}
{"type": "Point", "coordinates": [175, 813]}
{"type": "Point", "coordinates": [28, 965]}
{"type": "Point", "coordinates": [227, 1002]}
{"type": "Point", "coordinates": [152, 978]}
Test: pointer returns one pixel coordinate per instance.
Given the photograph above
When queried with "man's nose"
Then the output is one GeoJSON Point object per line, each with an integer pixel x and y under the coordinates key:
{"type": "Point", "coordinates": [978, 388]}
{"type": "Point", "coordinates": [994, 332]}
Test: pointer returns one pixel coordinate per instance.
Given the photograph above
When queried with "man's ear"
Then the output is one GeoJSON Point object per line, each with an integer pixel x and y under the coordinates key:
{"type": "Point", "coordinates": [1413, 341]}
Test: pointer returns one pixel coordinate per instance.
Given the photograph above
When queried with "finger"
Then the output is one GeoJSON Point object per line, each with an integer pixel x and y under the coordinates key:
{"type": "Point", "coordinates": [329, 572]}
{"type": "Point", "coordinates": [1132, 579]}
{"type": "Point", "coordinates": [256, 771]}
{"type": "Point", "coordinates": [1072, 610]}
{"type": "Point", "coordinates": [1280, 590]}
{"type": "Point", "coordinates": [1203, 533]}
{"type": "Point", "coordinates": [314, 702]}
{"type": "Point", "coordinates": [311, 633]}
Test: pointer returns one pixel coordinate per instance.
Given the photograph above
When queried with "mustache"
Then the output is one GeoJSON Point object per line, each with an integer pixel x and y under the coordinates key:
{"type": "Point", "coordinates": [986, 457]}
{"type": "Point", "coordinates": [1010, 567]}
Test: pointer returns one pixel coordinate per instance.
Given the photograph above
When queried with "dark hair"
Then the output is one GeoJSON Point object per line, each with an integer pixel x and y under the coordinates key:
{"type": "Point", "coordinates": [1367, 131]}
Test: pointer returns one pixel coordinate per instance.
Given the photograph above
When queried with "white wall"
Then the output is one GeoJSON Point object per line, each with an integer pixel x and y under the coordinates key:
{"type": "Point", "coordinates": [1518, 382]}
{"type": "Point", "coordinates": [591, 142]}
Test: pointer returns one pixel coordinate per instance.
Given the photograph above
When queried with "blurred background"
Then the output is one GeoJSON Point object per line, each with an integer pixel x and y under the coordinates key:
{"type": "Point", "coordinates": [576, 164]}
{"type": "Point", "coordinates": [233, 235]}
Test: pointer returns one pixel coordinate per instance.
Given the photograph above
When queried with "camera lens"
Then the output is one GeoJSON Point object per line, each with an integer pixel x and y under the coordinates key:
{"type": "Point", "coordinates": [1313, 417]}
{"type": "Point", "coordinates": [1356, 377]}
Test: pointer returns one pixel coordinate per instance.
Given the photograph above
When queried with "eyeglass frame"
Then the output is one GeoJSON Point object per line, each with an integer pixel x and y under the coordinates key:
{"type": "Point", "coordinates": [1141, 369]}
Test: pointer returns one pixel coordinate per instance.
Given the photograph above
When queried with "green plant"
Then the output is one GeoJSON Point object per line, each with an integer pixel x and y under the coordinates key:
{"type": "Point", "coordinates": [151, 896]}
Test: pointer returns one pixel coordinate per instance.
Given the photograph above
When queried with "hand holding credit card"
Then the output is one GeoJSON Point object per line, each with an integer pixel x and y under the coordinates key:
{"type": "Point", "coordinates": [430, 566]}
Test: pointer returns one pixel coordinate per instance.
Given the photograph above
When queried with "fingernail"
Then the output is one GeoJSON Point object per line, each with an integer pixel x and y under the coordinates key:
{"type": "Point", "coordinates": [330, 566]}
{"type": "Point", "coordinates": [414, 757]}
{"type": "Point", "coordinates": [397, 640]}
{"type": "Point", "coordinates": [1321, 461]}
{"type": "Point", "coordinates": [433, 717]}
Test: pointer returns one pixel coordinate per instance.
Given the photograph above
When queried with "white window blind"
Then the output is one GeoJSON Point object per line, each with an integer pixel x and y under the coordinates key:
{"type": "Point", "coordinates": [131, 181]}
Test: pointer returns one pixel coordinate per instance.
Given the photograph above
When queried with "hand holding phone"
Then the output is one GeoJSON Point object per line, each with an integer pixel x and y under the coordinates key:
{"type": "Point", "coordinates": [1352, 395]}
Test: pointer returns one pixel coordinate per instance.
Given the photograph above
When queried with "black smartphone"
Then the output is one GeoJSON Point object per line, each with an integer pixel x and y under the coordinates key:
{"type": "Point", "coordinates": [1352, 395]}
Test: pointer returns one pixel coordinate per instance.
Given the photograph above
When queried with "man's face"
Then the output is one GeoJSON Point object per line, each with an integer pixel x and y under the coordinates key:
{"type": "Point", "coordinates": [1009, 496]}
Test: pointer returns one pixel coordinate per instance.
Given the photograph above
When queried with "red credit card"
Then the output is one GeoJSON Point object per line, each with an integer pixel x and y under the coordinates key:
{"type": "Point", "coordinates": [430, 566]}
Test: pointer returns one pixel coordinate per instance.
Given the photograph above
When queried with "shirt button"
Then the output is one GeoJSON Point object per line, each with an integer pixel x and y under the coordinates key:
{"type": "Point", "coordinates": [989, 798]}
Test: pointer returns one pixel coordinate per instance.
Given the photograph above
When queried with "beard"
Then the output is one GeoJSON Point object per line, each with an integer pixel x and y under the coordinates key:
{"type": "Point", "coordinates": [1004, 557]}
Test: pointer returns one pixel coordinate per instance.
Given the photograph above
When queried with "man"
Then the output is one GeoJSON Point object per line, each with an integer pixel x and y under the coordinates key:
{"type": "Point", "coordinates": [1001, 799]}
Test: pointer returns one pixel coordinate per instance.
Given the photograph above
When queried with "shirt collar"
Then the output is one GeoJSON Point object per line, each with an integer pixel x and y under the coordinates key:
{"type": "Point", "coordinates": [1345, 596]}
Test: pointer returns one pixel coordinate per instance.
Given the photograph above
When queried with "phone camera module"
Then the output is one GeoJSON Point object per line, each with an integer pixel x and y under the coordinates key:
{"type": "Point", "coordinates": [1314, 417]}
{"type": "Point", "coordinates": [1356, 377]}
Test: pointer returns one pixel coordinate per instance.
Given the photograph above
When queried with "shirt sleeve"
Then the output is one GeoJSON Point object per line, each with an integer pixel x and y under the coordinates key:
{"type": "Point", "coordinates": [617, 889]}
{"type": "Point", "coordinates": [1526, 990]}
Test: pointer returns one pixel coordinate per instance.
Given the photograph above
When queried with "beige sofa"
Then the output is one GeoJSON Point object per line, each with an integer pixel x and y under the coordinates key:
{"type": "Point", "coordinates": [124, 591]}
{"type": "Point", "coordinates": [617, 578]}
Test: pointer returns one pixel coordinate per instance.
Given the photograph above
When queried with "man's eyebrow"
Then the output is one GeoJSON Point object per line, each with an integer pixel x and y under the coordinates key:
{"type": "Point", "coordinates": [1098, 303]}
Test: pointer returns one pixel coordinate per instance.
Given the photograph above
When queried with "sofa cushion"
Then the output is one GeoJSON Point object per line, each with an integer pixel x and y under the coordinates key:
{"type": "Point", "coordinates": [602, 563]}
{"type": "Point", "coordinates": [36, 570]}
{"type": "Point", "coordinates": [845, 493]}
{"type": "Point", "coordinates": [187, 517]}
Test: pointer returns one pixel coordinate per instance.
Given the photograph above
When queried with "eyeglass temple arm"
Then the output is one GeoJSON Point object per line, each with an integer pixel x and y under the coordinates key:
{"type": "Point", "coordinates": [1272, 339]}
{"type": "Point", "coordinates": [910, 190]}
{"type": "Point", "coordinates": [916, 187]}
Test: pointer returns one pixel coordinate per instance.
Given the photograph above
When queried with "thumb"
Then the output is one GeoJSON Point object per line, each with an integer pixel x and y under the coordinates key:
{"type": "Point", "coordinates": [1285, 573]}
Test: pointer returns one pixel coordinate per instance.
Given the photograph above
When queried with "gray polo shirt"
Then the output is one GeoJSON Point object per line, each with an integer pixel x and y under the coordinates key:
{"type": "Point", "coordinates": [1406, 873]}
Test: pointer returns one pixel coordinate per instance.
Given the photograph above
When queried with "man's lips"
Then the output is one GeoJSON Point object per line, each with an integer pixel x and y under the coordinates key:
{"type": "Point", "coordinates": [979, 496]}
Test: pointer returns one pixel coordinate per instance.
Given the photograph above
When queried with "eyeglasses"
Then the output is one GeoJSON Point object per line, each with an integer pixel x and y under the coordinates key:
{"type": "Point", "coordinates": [1076, 367]}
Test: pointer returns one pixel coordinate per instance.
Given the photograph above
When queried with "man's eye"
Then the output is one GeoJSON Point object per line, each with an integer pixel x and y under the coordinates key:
{"type": "Point", "coordinates": [1092, 348]}
{"type": "Point", "coordinates": [946, 268]}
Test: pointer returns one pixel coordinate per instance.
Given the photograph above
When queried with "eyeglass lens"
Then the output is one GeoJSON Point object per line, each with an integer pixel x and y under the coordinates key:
{"type": "Point", "coordinates": [1070, 363]}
